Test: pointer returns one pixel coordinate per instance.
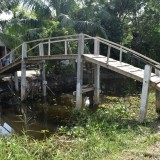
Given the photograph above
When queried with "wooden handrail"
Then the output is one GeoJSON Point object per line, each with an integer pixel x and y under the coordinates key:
{"type": "Point", "coordinates": [8, 54]}
{"type": "Point", "coordinates": [122, 49]}
{"type": "Point", "coordinates": [127, 50]}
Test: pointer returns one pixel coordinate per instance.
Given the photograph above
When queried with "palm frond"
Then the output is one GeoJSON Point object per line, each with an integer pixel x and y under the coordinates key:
{"type": "Point", "coordinates": [65, 20]}
{"type": "Point", "coordinates": [82, 26]}
{"type": "Point", "coordinates": [89, 27]}
{"type": "Point", "coordinates": [39, 6]}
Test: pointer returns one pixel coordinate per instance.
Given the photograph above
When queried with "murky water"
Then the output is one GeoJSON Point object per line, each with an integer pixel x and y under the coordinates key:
{"type": "Point", "coordinates": [38, 120]}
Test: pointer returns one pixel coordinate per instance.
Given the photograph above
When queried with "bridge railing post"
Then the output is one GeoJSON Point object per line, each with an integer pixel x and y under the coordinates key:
{"type": "Point", "coordinates": [96, 73]}
{"type": "Point", "coordinates": [23, 71]}
{"type": "Point", "coordinates": [49, 47]}
{"type": "Point", "coordinates": [5, 50]}
{"type": "Point", "coordinates": [41, 49]}
{"type": "Point", "coordinates": [120, 55]}
{"type": "Point", "coordinates": [79, 71]}
{"type": "Point", "coordinates": [65, 47]}
{"type": "Point", "coordinates": [108, 53]}
{"type": "Point", "coordinates": [157, 72]}
{"type": "Point", "coordinates": [145, 93]}
{"type": "Point", "coordinates": [11, 57]}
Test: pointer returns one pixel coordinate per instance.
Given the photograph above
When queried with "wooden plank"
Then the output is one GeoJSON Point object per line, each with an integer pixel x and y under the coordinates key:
{"type": "Point", "coordinates": [135, 73]}
{"type": "Point", "coordinates": [113, 68]}
{"type": "Point", "coordinates": [85, 90]}
{"type": "Point", "coordinates": [145, 92]}
{"type": "Point", "coordinates": [137, 70]}
{"type": "Point", "coordinates": [158, 86]}
{"type": "Point", "coordinates": [155, 79]}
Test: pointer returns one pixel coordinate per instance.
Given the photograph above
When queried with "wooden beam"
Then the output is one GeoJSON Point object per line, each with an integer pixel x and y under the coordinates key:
{"type": "Point", "coordinates": [85, 90]}
{"type": "Point", "coordinates": [145, 93]}
{"type": "Point", "coordinates": [79, 71]}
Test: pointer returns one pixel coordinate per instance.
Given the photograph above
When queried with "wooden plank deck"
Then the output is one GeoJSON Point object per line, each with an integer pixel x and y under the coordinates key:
{"type": "Point", "coordinates": [122, 68]}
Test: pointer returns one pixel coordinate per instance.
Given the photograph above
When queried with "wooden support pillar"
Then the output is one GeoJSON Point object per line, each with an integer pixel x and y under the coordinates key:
{"type": "Point", "coordinates": [43, 77]}
{"type": "Point", "coordinates": [42, 71]}
{"type": "Point", "coordinates": [16, 82]}
{"type": "Point", "coordinates": [145, 93]}
{"type": "Point", "coordinates": [96, 73]}
{"type": "Point", "coordinates": [157, 72]}
{"type": "Point", "coordinates": [23, 71]}
{"type": "Point", "coordinates": [79, 71]}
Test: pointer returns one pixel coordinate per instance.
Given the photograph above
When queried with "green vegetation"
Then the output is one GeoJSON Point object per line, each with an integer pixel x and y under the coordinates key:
{"type": "Point", "coordinates": [134, 23]}
{"type": "Point", "coordinates": [110, 132]}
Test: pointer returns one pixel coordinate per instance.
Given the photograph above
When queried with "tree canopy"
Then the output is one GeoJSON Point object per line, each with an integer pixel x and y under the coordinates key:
{"type": "Point", "coordinates": [134, 23]}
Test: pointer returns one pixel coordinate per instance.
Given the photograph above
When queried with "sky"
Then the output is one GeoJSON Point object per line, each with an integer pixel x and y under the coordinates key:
{"type": "Point", "coordinates": [5, 16]}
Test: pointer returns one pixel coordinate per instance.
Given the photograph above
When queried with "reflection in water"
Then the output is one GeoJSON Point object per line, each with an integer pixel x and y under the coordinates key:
{"type": "Point", "coordinates": [26, 119]}
{"type": "Point", "coordinates": [5, 129]}
{"type": "Point", "coordinates": [37, 117]}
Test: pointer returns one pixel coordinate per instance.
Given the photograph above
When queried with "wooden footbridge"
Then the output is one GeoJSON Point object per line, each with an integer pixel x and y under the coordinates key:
{"type": "Point", "coordinates": [86, 48]}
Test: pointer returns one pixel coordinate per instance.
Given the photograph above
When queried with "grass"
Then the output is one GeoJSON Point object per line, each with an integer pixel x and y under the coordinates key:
{"type": "Point", "coordinates": [110, 132]}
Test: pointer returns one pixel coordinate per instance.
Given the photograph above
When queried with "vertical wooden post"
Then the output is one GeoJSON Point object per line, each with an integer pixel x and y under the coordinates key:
{"type": "Point", "coordinates": [65, 47]}
{"type": "Point", "coordinates": [11, 57]}
{"type": "Point", "coordinates": [11, 83]}
{"type": "Point", "coordinates": [43, 77]}
{"type": "Point", "coordinates": [120, 56]}
{"type": "Point", "coordinates": [79, 71]}
{"type": "Point", "coordinates": [49, 47]}
{"type": "Point", "coordinates": [5, 50]}
{"type": "Point", "coordinates": [96, 73]}
{"type": "Point", "coordinates": [42, 71]}
{"type": "Point", "coordinates": [23, 71]}
{"type": "Point", "coordinates": [108, 54]}
{"type": "Point", "coordinates": [157, 72]}
{"type": "Point", "coordinates": [16, 82]}
{"type": "Point", "coordinates": [145, 93]}
{"type": "Point", "coordinates": [41, 49]}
